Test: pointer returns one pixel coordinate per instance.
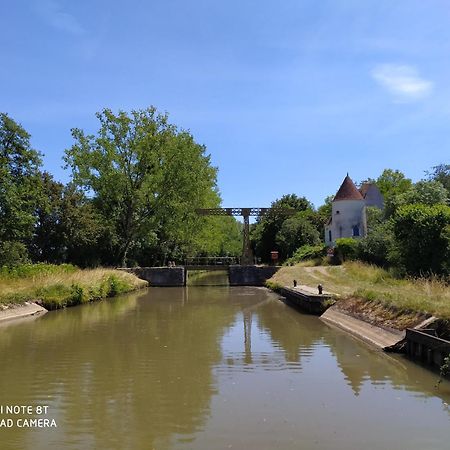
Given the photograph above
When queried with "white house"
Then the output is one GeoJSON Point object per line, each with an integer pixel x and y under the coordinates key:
{"type": "Point", "coordinates": [348, 212]}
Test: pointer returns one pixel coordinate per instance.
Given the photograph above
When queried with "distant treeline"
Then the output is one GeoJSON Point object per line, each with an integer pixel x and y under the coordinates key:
{"type": "Point", "coordinates": [134, 189]}
{"type": "Point", "coordinates": [411, 235]}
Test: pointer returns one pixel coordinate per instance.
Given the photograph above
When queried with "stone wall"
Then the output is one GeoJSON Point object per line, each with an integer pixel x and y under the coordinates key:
{"type": "Point", "coordinates": [160, 276]}
{"type": "Point", "coordinates": [250, 275]}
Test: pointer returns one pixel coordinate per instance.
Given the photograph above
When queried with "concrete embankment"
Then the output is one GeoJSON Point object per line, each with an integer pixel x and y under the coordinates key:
{"type": "Point", "coordinates": [307, 299]}
{"type": "Point", "coordinates": [374, 335]}
{"type": "Point", "coordinates": [20, 311]}
{"type": "Point", "coordinates": [374, 324]}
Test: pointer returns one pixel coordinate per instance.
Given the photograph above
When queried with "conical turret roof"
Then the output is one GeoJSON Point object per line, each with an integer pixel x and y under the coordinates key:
{"type": "Point", "coordinates": [348, 191]}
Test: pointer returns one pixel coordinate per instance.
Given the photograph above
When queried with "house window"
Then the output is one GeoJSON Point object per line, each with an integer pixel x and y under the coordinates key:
{"type": "Point", "coordinates": [329, 235]}
{"type": "Point", "coordinates": [356, 230]}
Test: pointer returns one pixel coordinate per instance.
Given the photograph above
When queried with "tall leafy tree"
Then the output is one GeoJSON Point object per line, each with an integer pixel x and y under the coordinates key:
{"type": "Point", "coordinates": [392, 183]}
{"type": "Point", "coordinates": [441, 173]}
{"type": "Point", "coordinates": [146, 178]}
{"type": "Point", "coordinates": [295, 232]}
{"type": "Point", "coordinates": [427, 192]}
{"type": "Point", "coordinates": [68, 226]}
{"type": "Point", "coordinates": [19, 183]}
{"type": "Point", "coordinates": [422, 236]}
{"type": "Point", "coordinates": [264, 232]}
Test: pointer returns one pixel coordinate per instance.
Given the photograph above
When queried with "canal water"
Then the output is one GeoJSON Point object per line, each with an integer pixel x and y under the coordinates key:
{"type": "Point", "coordinates": [208, 368]}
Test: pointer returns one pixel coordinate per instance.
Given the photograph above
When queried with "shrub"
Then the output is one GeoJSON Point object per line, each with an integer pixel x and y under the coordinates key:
{"type": "Point", "coordinates": [346, 249]}
{"type": "Point", "coordinates": [116, 286]}
{"type": "Point", "coordinates": [306, 252]}
{"type": "Point", "coordinates": [423, 238]}
{"type": "Point", "coordinates": [377, 247]}
{"type": "Point", "coordinates": [12, 254]}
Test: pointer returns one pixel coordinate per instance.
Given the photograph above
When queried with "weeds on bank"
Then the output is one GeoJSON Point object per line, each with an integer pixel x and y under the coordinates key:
{"type": "Point", "coordinates": [65, 285]}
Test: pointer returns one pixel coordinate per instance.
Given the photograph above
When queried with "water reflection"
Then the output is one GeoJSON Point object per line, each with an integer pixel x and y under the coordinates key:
{"type": "Point", "coordinates": [181, 368]}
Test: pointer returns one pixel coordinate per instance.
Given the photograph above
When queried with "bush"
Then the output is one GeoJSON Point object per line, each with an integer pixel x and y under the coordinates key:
{"type": "Point", "coordinates": [116, 286]}
{"type": "Point", "coordinates": [423, 238]}
{"type": "Point", "coordinates": [346, 249]}
{"type": "Point", "coordinates": [306, 252]}
{"type": "Point", "coordinates": [12, 254]}
{"type": "Point", "coordinates": [377, 247]}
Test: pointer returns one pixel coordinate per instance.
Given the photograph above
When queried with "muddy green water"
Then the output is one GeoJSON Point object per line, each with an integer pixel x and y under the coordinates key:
{"type": "Point", "coordinates": [211, 368]}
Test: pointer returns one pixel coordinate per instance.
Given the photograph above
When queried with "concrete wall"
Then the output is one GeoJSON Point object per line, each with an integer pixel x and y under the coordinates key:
{"type": "Point", "coordinates": [160, 276]}
{"type": "Point", "coordinates": [176, 276]}
{"type": "Point", "coordinates": [250, 275]}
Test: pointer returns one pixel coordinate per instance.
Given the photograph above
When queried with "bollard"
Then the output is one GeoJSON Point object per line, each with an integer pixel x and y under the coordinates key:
{"type": "Point", "coordinates": [295, 283]}
{"type": "Point", "coordinates": [320, 288]}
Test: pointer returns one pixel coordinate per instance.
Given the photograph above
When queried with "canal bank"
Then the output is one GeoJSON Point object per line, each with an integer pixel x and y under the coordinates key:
{"type": "Point", "coordinates": [361, 309]}
{"type": "Point", "coordinates": [32, 290]}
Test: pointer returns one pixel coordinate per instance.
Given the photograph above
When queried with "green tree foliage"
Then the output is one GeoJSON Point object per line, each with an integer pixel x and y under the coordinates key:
{"type": "Point", "coordinates": [392, 183]}
{"type": "Point", "coordinates": [220, 236]}
{"type": "Point", "coordinates": [423, 239]}
{"type": "Point", "coordinates": [146, 177]}
{"type": "Point", "coordinates": [430, 192]}
{"type": "Point", "coordinates": [19, 181]}
{"type": "Point", "coordinates": [378, 246]}
{"type": "Point", "coordinates": [68, 226]}
{"type": "Point", "coordinates": [346, 249]}
{"type": "Point", "coordinates": [307, 252]}
{"type": "Point", "coordinates": [441, 173]}
{"type": "Point", "coordinates": [264, 232]}
{"type": "Point", "coordinates": [12, 253]}
{"type": "Point", "coordinates": [296, 232]}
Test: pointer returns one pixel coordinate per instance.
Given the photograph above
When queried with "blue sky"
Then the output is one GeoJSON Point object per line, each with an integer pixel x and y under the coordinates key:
{"type": "Point", "coordinates": [287, 96]}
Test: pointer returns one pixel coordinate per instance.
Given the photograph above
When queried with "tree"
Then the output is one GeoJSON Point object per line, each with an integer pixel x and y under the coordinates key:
{"type": "Point", "coordinates": [296, 232]}
{"type": "Point", "coordinates": [427, 192]}
{"type": "Point", "coordinates": [377, 247]}
{"type": "Point", "coordinates": [441, 173]}
{"type": "Point", "coordinates": [221, 236]}
{"type": "Point", "coordinates": [392, 183]}
{"type": "Point", "coordinates": [264, 232]}
{"type": "Point", "coordinates": [67, 228]}
{"type": "Point", "coordinates": [421, 234]}
{"type": "Point", "coordinates": [19, 183]}
{"type": "Point", "coordinates": [146, 177]}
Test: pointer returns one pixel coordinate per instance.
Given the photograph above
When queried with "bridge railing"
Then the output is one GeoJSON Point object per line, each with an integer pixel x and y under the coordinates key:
{"type": "Point", "coordinates": [211, 261]}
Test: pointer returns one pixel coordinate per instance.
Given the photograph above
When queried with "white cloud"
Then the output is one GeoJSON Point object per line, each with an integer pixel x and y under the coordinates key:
{"type": "Point", "coordinates": [52, 13]}
{"type": "Point", "coordinates": [402, 81]}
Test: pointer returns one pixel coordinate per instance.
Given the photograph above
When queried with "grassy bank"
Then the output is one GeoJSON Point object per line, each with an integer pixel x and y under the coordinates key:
{"type": "Point", "coordinates": [64, 285]}
{"type": "Point", "coordinates": [372, 284]}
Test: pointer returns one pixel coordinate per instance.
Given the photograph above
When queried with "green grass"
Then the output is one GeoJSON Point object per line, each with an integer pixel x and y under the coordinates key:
{"type": "Point", "coordinates": [371, 283]}
{"type": "Point", "coordinates": [56, 286]}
